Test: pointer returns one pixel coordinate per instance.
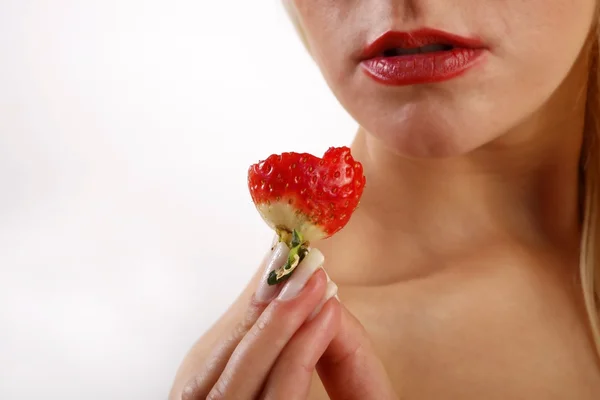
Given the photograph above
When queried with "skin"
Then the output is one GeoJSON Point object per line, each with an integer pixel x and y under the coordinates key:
{"type": "Point", "coordinates": [462, 260]}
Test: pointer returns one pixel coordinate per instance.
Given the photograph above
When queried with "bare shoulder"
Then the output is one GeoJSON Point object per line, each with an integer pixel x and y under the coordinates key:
{"type": "Point", "coordinates": [504, 328]}
{"type": "Point", "coordinates": [520, 326]}
{"type": "Point", "coordinates": [547, 332]}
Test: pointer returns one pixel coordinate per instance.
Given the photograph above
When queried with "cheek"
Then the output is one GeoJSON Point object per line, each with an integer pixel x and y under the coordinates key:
{"type": "Point", "coordinates": [542, 36]}
{"type": "Point", "coordinates": [535, 45]}
{"type": "Point", "coordinates": [332, 28]}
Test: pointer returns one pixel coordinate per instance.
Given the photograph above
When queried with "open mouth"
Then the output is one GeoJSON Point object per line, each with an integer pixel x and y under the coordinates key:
{"type": "Point", "coordinates": [420, 43]}
{"type": "Point", "coordinates": [421, 56]}
{"type": "Point", "coordinates": [431, 48]}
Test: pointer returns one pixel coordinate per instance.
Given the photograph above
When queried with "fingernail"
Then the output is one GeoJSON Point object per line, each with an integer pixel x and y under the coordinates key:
{"type": "Point", "coordinates": [330, 292]}
{"type": "Point", "coordinates": [274, 242]}
{"type": "Point", "coordinates": [329, 280]}
{"type": "Point", "coordinates": [276, 259]}
{"type": "Point", "coordinates": [312, 262]}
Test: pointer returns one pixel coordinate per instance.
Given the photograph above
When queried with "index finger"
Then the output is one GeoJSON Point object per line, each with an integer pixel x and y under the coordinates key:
{"type": "Point", "coordinates": [207, 373]}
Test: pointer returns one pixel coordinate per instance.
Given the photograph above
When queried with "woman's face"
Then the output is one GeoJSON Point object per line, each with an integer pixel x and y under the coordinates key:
{"type": "Point", "coordinates": [510, 57]}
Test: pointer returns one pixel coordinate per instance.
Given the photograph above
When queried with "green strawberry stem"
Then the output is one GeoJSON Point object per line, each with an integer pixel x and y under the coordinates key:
{"type": "Point", "coordinates": [298, 250]}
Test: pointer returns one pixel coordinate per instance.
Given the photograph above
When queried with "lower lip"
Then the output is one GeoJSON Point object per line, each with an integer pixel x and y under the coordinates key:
{"type": "Point", "coordinates": [421, 68]}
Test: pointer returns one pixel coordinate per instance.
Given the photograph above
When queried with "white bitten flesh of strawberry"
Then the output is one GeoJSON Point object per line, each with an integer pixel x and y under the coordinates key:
{"type": "Point", "coordinates": [281, 215]}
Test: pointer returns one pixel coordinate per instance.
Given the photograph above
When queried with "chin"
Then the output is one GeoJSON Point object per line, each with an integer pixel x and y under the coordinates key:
{"type": "Point", "coordinates": [420, 121]}
{"type": "Point", "coordinates": [426, 135]}
{"type": "Point", "coordinates": [422, 143]}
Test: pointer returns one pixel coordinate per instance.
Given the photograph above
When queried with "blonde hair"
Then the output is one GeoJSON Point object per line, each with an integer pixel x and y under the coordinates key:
{"type": "Point", "coordinates": [589, 264]}
{"type": "Point", "coordinates": [292, 13]}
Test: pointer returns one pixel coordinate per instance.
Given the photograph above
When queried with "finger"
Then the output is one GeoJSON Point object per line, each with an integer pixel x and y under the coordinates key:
{"type": "Point", "coordinates": [349, 368]}
{"type": "Point", "coordinates": [291, 376]}
{"type": "Point", "coordinates": [330, 292]}
{"type": "Point", "coordinates": [204, 379]}
{"type": "Point", "coordinates": [257, 352]}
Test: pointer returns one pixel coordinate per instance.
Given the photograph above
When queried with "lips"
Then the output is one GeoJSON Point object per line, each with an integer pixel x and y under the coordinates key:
{"type": "Point", "coordinates": [422, 56]}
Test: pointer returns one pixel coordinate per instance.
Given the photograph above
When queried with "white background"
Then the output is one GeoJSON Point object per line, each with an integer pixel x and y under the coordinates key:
{"type": "Point", "coordinates": [126, 228]}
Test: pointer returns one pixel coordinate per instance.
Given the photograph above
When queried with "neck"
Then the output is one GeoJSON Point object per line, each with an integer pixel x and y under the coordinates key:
{"type": "Point", "coordinates": [520, 189]}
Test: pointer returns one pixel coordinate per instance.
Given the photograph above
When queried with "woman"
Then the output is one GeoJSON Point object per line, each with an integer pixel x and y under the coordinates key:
{"type": "Point", "coordinates": [471, 262]}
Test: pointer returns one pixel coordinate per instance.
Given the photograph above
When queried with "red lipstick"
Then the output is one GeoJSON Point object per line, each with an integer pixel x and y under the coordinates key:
{"type": "Point", "coordinates": [421, 56]}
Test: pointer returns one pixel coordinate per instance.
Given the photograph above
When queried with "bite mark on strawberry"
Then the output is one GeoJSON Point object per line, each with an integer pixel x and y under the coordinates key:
{"type": "Point", "coordinates": [306, 198]}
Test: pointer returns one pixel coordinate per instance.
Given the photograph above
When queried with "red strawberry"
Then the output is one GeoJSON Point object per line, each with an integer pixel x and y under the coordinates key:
{"type": "Point", "coordinates": [306, 198]}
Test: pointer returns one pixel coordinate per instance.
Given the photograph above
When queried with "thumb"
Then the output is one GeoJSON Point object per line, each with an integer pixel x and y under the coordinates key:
{"type": "Point", "coordinates": [350, 369]}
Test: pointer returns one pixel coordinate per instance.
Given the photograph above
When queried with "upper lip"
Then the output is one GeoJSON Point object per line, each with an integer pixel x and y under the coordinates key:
{"type": "Point", "coordinates": [418, 38]}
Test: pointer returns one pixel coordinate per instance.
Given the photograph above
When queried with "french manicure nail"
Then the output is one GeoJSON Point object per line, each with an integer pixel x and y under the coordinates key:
{"type": "Point", "coordinates": [274, 242]}
{"type": "Point", "coordinates": [330, 292]}
{"type": "Point", "coordinates": [304, 271]}
{"type": "Point", "coordinates": [277, 259]}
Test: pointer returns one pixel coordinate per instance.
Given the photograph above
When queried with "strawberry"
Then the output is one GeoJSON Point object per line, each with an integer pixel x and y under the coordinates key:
{"type": "Point", "coordinates": [305, 198]}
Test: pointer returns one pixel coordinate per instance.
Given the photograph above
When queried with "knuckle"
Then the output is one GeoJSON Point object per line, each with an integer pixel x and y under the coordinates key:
{"type": "Point", "coordinates": [254, 309]}
{"type": "Point", "coordinates": [261, 325]}
{"type": "Point", "coordinates": [239, 331]}
{"type": "Point", "coordinates": [297, 366]}
{"type": "Point", "coordinates": [217, 392]}
{"type": "Point", "coordinates": [353, 352]}
{"type": "Point", "coordinates": [287, 313]}
{"type": "Point", "coordinates": [252, 314]}
{"type": "Point", "coordinates": [303, 366]}
{"type": "Point", "coordinates": [298, 359]}
{"type": "Point", "coordinates": [276, 317]}
{"type": "Point", "coordinates": [249, 319]}
{"type": "Point", "coordinates": [192, 389]}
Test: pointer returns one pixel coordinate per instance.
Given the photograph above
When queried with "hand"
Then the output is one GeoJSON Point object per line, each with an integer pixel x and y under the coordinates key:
{"type": "Point", "coordinates": [273, 352]}
{"type": "Point", "coordinates": [349, 369]}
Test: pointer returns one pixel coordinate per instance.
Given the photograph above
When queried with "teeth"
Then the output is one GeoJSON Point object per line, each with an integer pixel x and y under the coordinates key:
{"type": "Point", "coordinates": [430, 48]}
